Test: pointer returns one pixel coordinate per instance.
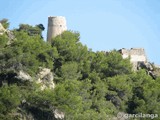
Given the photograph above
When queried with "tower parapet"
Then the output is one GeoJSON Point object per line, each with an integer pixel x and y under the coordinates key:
{"type": "Point", "coordinates": [56, 25]}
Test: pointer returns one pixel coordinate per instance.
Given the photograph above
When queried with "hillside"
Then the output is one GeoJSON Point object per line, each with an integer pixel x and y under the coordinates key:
{"type": "Point", "coordinates": [66, 80]}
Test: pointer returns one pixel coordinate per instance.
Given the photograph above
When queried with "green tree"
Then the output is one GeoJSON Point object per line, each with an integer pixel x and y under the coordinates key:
{"type": "Point", "coordinates": [99, 63]}
{"type": "Point", "coordinates": [69, 71]}
{"type": "Point", "coordinates": [9, 101]}
{"type": "Point", "coordinates": [32, 30]}
{"type": "Point", "coordinates": [67, 98]}
{"type": "Point", "coordinates": [27, 53]}
{"type": "Point", "coordinates": [146, 94]}
{"type": "Point", "coordinates": [119, 93]}
{"type": "Point", "coordinates": [117, 65]}
{"type": "Point", "coordinates": [5, 23]}
{"type": "Point", "coordinates": [3, 41]}
{"type": "Point", "coordinates": [69, 46]}
{"type": "Point", "coordinates": [71, 52]}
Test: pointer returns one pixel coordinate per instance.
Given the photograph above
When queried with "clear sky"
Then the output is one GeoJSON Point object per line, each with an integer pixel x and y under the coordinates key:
{"type": "Point", "coordinates": [103, 24]}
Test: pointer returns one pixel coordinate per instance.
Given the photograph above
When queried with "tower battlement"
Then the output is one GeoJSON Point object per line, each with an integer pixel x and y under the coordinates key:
{"type": "Point", "coordinates": [56, 25]}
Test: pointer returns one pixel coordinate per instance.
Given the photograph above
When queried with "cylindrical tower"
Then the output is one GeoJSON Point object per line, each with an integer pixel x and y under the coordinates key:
{"type": "Point", "coordinates": [56, 25]}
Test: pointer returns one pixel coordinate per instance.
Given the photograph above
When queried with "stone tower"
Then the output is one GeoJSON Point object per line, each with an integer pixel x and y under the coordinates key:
{"type": "Point", "coordinates": [56, 25]}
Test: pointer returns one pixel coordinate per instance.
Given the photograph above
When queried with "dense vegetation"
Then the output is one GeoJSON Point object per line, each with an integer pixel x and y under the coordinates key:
{"type": "Point", "coordinates": [89, 85]}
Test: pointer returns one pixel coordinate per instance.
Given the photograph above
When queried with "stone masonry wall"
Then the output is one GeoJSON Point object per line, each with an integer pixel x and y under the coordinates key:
{"type": "Point", "coordinates": [56, 25]}
{"type": "Point", "coordinates": [137, 55]}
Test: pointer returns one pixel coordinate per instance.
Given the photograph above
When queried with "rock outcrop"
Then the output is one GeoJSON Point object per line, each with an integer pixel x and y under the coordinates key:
{"type": "Point", "coordinates": [9, 33]}
{"type": "Point", "coordinates": [2, 30]}
{"type": "Point", "coordinates": [45, 78]}
{"type": "Point", "coordinates": [10, 36]}
{"type": "Point", "coordinates": [23, 76]}
{"type": "Point", "coordinates": [58, 114]}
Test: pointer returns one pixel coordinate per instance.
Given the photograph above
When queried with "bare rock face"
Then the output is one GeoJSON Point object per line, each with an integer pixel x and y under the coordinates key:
{"type": "Point", "coordinates": [23, 76]}
{"type": "Point", "coordinates": [146, 65]}
{"type": "Point", "coordinates": [23, 116]}
{"type": "Point", "coordinates": [2, 30]}
{"type": "Point", "coordinates": [10, 36]}
{"type": "Point", "coordinates": [8, 33]}
{"type": "Point", "coordinates": [45, 78]}
{"type": "Point", "coordinates": [58, 114]}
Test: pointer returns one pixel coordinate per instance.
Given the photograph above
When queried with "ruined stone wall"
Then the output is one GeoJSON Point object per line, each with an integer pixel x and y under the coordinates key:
{"type": "Point", "coordinates": [56, 25]}
{"type": "Point", "coordinates": [135, 54]}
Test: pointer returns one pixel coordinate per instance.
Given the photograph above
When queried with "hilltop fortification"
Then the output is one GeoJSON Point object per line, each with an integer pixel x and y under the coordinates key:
{"type": "Point", "coordinates": [137, 55]}
{"type": "Point", "coordinates": [56, 25]}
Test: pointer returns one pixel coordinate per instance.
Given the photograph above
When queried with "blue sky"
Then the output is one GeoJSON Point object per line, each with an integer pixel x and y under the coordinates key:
{"type": "Point", "coordinates": [103, 24]}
